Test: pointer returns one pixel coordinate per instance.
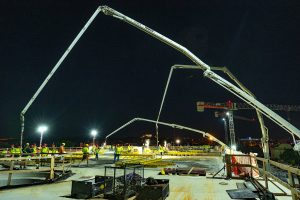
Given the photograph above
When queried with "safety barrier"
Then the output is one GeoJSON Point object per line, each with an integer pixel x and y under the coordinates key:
{"type": "Point", "coordinates": [12, 162]}
{"type": "Point", "coordinates": [232, 168]}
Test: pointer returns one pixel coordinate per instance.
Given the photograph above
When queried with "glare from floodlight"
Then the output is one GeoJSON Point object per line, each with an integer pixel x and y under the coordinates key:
{"type": "Point", "coordinates": [227, 113]}
{"type": "Point", "coordinates": [233, 147]}
{"type": "Point", "coordinates": [42, 129]}
{"type": "Point", "coordinates": [177, 141]}
{"type": "Point", "coordinates": [223, 119]}
{"type": "Point", "coordinates": [210, 138]}
{"type": "Point", "coordinates": [147, 143]}
{"type": "Point", "coordinates": [94, 133]}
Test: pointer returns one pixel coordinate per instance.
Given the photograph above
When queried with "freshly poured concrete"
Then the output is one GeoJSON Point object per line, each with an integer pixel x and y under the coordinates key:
{"type": "Point", "coordinates": [181, 187]}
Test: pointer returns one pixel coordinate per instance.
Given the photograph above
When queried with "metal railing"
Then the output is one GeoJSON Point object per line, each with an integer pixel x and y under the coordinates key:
{"type": "Point", "coordinates": [54, 163]}
{"type": "Point", "coordinates": [292, 173]}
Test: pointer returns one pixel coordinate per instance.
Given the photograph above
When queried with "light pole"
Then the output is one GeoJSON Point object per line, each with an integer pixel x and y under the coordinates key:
{"type": "Point", "coordinates": [177, 142]}
{"type": "Point", "coordinates": [94, 133]}
{"type": "Point", "coordinates": [42, 130]}
{"type": "Point", "coordinates": [225, 130]}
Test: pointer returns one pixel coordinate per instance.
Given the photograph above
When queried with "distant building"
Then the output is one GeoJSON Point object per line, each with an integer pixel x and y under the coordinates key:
{"type": "Point", "coordinates": [247, 145]}
{"type": "Point", "coordinates": [250, 142]}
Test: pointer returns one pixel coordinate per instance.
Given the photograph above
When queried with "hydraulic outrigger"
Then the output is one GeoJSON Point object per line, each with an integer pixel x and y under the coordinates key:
{"type": "Point", "coordinates": [206, 68]}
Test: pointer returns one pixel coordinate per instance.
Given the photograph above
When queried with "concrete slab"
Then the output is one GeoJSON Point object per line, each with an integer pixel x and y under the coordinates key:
{"type": "Point", "coordinates": [181, 187]}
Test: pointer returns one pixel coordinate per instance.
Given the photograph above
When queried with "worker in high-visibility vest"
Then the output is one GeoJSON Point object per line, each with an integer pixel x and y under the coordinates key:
{"type": "Point", "coordinates": [53, 149]}
{"type": "Point", "coordinates": [45, 150]}
{"type": "Point", "coordinates": [18, 151]}
{"type": "Point", "coordinates": [160, 150]}
{"type": "Point", "coordinates": [4, 152]}
{"type": "Point", "coordinates": [118, 151]}
{"type": "Point", "coordinates": [33, 149]}
{"type": "Point", "coordinates": [12, 150]}
{"type": "Point", "coordinates": [93, 150]}
{"type": "Point", "coordinates": [27, 149]}
{"type": "Point", "coordinates": [129, 148]}
{"type": "Point", "coordinates": [97, 150]}
{"type": "Point", "coordinates": [85, 151]}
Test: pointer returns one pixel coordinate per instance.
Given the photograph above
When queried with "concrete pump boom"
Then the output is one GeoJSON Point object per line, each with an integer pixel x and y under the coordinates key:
{"type": "Point", "coordinates": [207, 72]}
{"type": "Point", "coordinates": [204, 134]}
{"type": "Point", "coordinates": [265, 136]}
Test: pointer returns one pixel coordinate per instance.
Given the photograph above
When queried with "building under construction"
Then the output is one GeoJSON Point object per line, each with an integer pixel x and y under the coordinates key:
{"type": "Point", "coordinates": [161, 170]}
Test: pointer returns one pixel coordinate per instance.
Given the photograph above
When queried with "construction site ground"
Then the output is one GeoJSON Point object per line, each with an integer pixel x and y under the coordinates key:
{"type": "Point", "coordinates": [181, 187]}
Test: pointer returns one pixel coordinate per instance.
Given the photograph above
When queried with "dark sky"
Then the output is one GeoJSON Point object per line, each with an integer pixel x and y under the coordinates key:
{"type": "Point", "coordinates": [116, 72]}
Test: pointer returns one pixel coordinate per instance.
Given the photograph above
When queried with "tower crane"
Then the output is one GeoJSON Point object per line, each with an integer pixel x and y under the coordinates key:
{"type": "Point", "coordinates": [231, 106]}
{"type": "Point", "coordinates": [201, 105]}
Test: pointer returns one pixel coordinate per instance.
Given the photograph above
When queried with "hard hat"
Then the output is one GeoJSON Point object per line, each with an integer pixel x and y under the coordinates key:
{"type": "Point", "coordinates": [63, 143]}
{"type": "Point", "coordinates": [27, 144]}
{"type": "Point", "coordinates": [86, 145]}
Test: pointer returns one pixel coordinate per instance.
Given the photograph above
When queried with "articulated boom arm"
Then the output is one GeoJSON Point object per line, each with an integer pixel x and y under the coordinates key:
{"type": "Point", "coordinates": [253, 102]}
{"type": "Point", "coordinates": [207, 72]}
{"type": "Point", "coordinates": [111, 12]}
{"type": "Point", "coordinates": [204, 134]}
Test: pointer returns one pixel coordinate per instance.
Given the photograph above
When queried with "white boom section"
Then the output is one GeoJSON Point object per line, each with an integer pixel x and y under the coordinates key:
{"type": "Point", "coordinates": [207, 72]}
{"type": "Point", "coordinates": [111, 12]}
{"type": "Point", "coordinates": [61, 60]}
{"type": "Point", "coordinates": [204, 134]}
{"type": "Point", "coordinates": [165, 93]}
{"type": "Point", "coordinates": [253, 102]}
{"type": "Point", "coordinates": [54, 70]}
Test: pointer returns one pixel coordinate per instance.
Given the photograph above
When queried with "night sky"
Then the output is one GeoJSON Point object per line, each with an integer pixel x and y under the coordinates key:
{"type": "Point", "coordinates": [116, 72]}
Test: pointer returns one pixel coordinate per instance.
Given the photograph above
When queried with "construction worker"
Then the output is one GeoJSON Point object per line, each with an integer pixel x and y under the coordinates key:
{"type": "Point", "coordinates": [118, 151]}
{"type": "Point", "coordinates": [33, 149]}
{"type": "Point", "coordinates": [45, 150]}
{"type": "Point", "coordinates": [12, 150]}
{"type": "Point", "coordinates": [44, 153]}
{"type": "Point", "coordinates": [85, 152]}
{"type": "Point", "coordinates": [165, 149]}
{"type": "Point", "coordinates": [4, 152]}
{"type": "Point", "coordinates": [27, 149]}
{"type": "Point", "coordinates": [129, 148]}
{"type": "Point", "coordinates": [61, 149]}
{"type": "Point", "coordinates": [160, 150]}
{"type": "Point", "coordinates": [93, 150]}
{"type": "Point", "coordinates": [97, 150]}
{"type": "Point", "coordinates": [18, 151]}
{"type": "Point", "coordinates": [53, 149]}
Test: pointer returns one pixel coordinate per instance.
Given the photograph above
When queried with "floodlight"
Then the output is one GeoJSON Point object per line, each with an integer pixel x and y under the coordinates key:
{"type": "Point", "coordinates": [94, 132]}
